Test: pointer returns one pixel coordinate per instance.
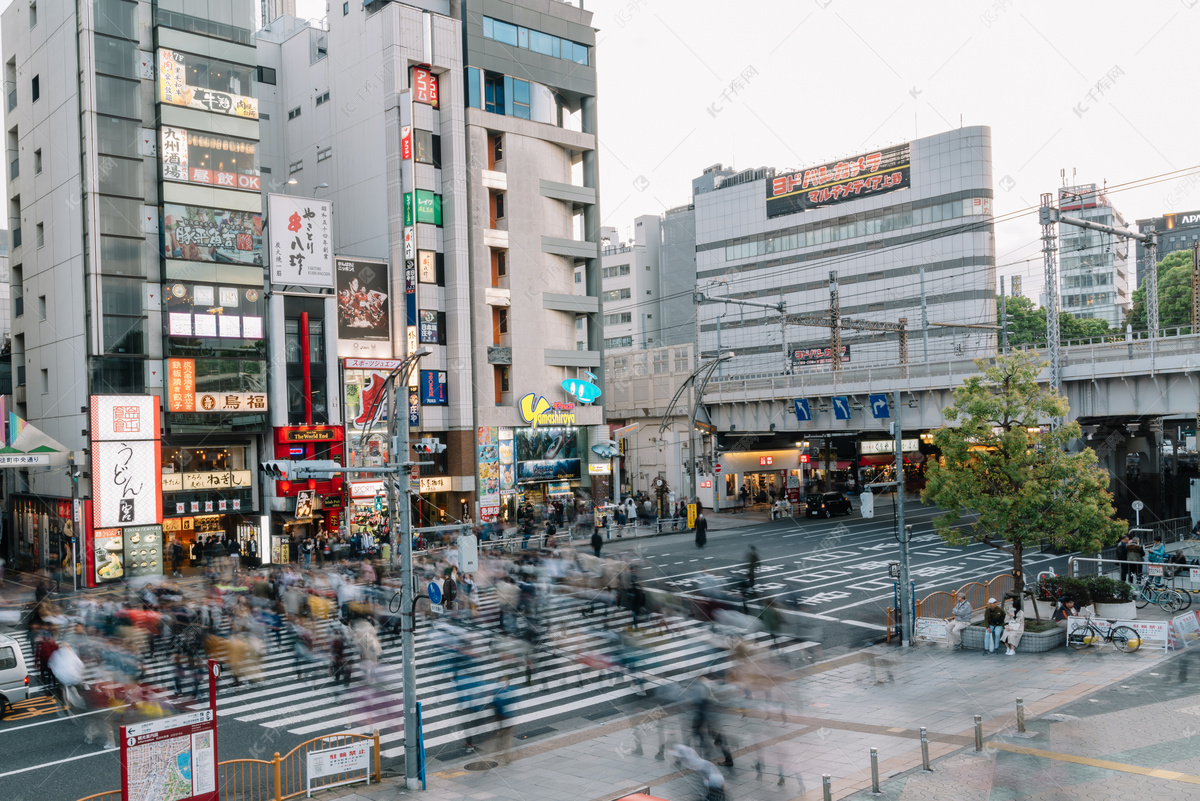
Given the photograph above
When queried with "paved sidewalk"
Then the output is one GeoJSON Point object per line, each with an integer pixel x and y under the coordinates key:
{"type": "Point", "coordinates": [837, 710]}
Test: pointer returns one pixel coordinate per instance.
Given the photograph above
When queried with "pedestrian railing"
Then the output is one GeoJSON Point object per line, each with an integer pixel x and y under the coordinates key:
{"type": "Point", "coordinates": [281, 777]}
{"type": "Point", "coordinates": [940, 604]}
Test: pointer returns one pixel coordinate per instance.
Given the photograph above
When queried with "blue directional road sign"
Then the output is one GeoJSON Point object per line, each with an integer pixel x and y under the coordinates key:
{"type": "Point", "coordinates": [879, 407]}
{"type": "Point", "coordinates": [841, 407]}
{"type": "Point", "coordinates": [435, 592]}
{"type": "Point", "coordinates": [803, 412]}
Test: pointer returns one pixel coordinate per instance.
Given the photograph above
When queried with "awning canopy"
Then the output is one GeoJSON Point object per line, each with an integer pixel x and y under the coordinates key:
{"type": "Point", "coordinates": [30, 446]}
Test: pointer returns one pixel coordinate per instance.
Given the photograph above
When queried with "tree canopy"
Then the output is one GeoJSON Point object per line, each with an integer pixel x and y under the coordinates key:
{"type": "Point", "coordinates": [1002, 464]}
{"type": "Point", "coordinates": [1174, 294]}
{"type": "Point", "coordinates": [1027, 324]}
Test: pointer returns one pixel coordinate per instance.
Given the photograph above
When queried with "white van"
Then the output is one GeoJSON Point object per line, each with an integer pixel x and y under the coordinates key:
{"type": "Point", "coordinates": [14, 677]}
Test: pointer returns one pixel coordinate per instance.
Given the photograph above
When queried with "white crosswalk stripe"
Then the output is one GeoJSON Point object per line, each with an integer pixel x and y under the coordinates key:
{"type": "Point", "coordinates": [562, 684]}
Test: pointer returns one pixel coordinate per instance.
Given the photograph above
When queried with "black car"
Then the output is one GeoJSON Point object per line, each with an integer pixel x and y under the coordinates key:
{"type": "Point", "coordinates": [827, 504]}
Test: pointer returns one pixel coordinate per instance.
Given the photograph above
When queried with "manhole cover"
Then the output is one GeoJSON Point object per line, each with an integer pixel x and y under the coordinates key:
{"type": "Point", "coordinates": [483, 764]}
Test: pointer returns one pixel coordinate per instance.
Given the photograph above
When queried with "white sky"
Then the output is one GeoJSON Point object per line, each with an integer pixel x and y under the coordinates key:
{"type": "Point", "coordinates": [833, 78]}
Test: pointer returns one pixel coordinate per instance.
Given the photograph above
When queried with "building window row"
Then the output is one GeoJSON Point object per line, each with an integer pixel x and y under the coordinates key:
{"type": "Point", "coordinates": [615, 271]}
{"type": "Point", "coordinates": [617, 294]}
{"type": "Point", "coordinates": [619, 342]}
{"type": "Point", "coordinates": [323, 98]}
{"type": "Point", "coordinates": [513, 97]}
{"type": "Point", "coordinates": [324, 153]}
{"type": "Point", "coordinates": [869, 224]}
{"type": "Point", "coordinates": [538, 42]}
{"type": "Point", "coordinates": [618, 319]}
{"type": "Point", "coordinates": [203, 26]}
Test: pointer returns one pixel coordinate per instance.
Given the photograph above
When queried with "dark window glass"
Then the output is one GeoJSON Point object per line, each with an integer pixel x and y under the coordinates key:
{"type": "Point", "coordinates": [291, 340]}
{"type": "Point", "coordinates": [121, 177]}
{"type": "Point", "coordinates": [116, 17]}
{"type": "Point", "coordinates": [120, 97]}
{"type": "Point", "coordinates": [117, 137]}
{"type": "Point", "coordinates": [121, 295]}
{"type": "Point", "coordinates": [121, 256]}
{"type": "Point", "coordinates": [437, 151]}
{"type": "Point", "coordinates": [117, 57]}
{"type": "Point", "coordinates": [493, 93]}
{"type": "Point", "coordinates": [266, 75]}
{"type": "Point", "coordinates": [118, 376]}
{"type": "Point", "coordinates": [125, 335]}
{"type": "Point", "coordinates": [423, 146]}
{"type": "Point", "coordinates": [472, 87]}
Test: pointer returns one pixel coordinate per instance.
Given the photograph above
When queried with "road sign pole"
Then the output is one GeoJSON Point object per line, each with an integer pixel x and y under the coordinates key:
{"type": "Point", "coordinates": [906, 619]}
{"type": "Point", "coordinates": [400, 518]}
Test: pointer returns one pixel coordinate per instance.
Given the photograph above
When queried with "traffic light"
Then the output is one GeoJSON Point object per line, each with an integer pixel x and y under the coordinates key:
{"type": "Point", "coordinates": [428, 446]}
{"type": "Point", "coordinates": [318, 469]}
{"type": "Point", "coordinates": [279, 470]}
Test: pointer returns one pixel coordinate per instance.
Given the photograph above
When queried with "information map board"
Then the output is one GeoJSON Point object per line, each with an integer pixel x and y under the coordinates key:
{"type": "Point", "coordinates": [170, 759]}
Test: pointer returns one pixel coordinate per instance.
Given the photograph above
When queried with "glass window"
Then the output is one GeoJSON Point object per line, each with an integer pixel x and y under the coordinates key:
{"type": "Point", "coordinates": [119, 97]}
{"type": "Point", "coordinates": [542, 43]}
{"type": "Point", "coordinates": [316, 341]}
{"type": "Point", "coordinates": [121, 256]}
{"type": "Point", "coordinates": [266, 75]}
{"type": "Point", "coordinates": [580, 53]}
{"type": "Point", "coordinates": [118, 376]}
{"type": "Point", "coordinates": [121, 295]}
{"type": "Point", "coordinates": [473, 87]}
{"type": "Point", "coordinates": [487, 28]}
{"type": "Point", "coordinates": [120, 216]}
{"type": "Point", "coordinates": [125, 335]}
{"type": "Point", "coordinates": [493, 93]}
{"type": "Point", "coordinates": [117, 57]}
{"type": "Point", "coordinates": [291, 340]}
{"type": "Point", "coordinates": [503, 32]}
{"type": "Point", "coordinates": [520, 99]}
{"type": "Point", "coordinates": [523, 38]}
{"type": "Point", "coordinates": [121, 177]}
{"type": "Point", "coordinates": [117, 137]}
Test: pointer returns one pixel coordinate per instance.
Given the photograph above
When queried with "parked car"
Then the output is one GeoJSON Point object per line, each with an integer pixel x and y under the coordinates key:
{"type": "Point", "coordinates": [14, 676]}
{"type": "Point", "coordinates": [827, 504]}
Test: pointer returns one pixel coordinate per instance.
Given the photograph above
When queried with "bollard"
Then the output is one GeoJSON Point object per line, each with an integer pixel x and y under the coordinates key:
{"type": "Point", "coordinates": [827, 787]}
{"type": "Point", "coordinates": [979, 732]}
{"type": "Point", "coordinates": [875, 771]}
{"type": "Point", "coordinates": [925, 749]}
{"type": "Point", "coordinates": [1021, 715]}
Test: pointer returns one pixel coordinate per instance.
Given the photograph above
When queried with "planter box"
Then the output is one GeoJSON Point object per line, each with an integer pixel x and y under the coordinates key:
{"type": "Point", "coordinates": [1125, 611]}
{"type": "Point", "coordinates": [1031, 643]}
{"type": "Point", "coordinates": [1045, 609]}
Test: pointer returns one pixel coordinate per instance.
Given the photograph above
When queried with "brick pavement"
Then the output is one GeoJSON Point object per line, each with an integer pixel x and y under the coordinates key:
{"type": "Point", "coordinates": [1137, 711]}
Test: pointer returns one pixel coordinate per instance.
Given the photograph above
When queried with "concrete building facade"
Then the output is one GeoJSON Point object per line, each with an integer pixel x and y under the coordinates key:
{"type": "Point", "coordinates": [878, 220]}
{"type": "Point", "coordinates": [1177, 231]}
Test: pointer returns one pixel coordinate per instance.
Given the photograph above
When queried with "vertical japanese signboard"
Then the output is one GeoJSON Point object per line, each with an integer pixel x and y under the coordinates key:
{"type": "Point", "coordinates": [301, 241]}
{"type": "Point", "coordinates": [126, 461]}
{"type": "Point", "coordinates": [424, 86]}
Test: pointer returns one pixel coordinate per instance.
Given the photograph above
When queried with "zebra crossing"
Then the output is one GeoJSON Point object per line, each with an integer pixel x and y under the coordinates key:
{"type": "Point", "coordinates": [574, 673]}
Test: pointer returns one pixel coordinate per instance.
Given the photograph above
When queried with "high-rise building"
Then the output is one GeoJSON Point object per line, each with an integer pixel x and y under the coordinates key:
{"type": "Point", "coordinates": [902, 227]}
{"type": "Point", "coordinates": [1093, 266]}
{"type": "Point", "coordinates": [137, 274]}
{"type": "Point", "coordinates": [471, 200]}
{"type": "Point", "coordinates": [630, 286]}
{"type": "Point", "coordinates": [1177, 231]}
{"type": "Point", "coordinates": [271, 10]}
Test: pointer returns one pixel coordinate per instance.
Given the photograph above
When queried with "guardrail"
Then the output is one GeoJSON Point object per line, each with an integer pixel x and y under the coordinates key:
{"type": "Point", "coordinates": [281, 777]}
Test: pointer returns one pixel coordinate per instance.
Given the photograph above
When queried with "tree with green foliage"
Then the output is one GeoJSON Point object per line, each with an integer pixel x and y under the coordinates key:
{"type": "Point", "coordinates": [1002, 464]}
{"type": "Point", "coordinates": [1027, 324]}
{"type": "Point", "coordinates": [1174, 294]}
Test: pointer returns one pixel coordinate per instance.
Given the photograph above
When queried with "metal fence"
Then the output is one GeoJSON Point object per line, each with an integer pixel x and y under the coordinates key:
{"type": "Point", "coordinates": [281, 777]}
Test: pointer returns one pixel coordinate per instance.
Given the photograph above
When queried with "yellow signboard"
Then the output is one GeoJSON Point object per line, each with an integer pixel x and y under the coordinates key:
{"type": "Point", "coordinates": [691, 515]}
{"type": "Point", "coordinates": [538, 411]}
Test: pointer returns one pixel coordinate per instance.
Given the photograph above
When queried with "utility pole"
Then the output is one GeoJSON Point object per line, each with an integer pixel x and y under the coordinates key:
{"type": "Point", "coordinates": [1048, 217]}
{"type": "Point", "coordinates": [835, 323]}
{"type": "Point", "coordinates": [925, 316]}
{"type": "Point", "coordinates": [906, 619]}
{"type": "Point", "coordinates": [1003, 319]}
{"type": "Point", "coordinates": [399, 513]}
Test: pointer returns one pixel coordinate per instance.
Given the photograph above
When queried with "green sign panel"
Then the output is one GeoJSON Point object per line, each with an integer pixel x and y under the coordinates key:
{"type": "Point", "coordinates": [428, 207]}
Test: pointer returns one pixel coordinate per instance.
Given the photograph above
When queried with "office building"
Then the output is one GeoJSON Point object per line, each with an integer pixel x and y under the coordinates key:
{"type": "Point", "coordinates": [901, 226]}
{"type": "Point", "coordinates": [133, 201]}
{"type": "Point", "coordinates": [492, 180]}
{"type": "Point", "coordinates": [1093, 266]}
{"type": "Point", "coordinates": [1176, 231]}
{"type": "Point", "coordinates": [630, 286]}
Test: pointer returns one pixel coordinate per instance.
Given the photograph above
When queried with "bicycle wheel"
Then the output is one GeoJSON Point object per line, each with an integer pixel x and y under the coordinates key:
{"type": "Point", "coordinates": [1170, 601]}
{"type": "Point", "coordinates": [1079, 638]}
{"type": "Point", "coordinates": [1125, 639]}
{"type": "Point", "coordinates": [394, 604]}
{"type": "Point", "coordinates": [1187, 599]}
{"type": "Point", "coordinates": [1141, 597]}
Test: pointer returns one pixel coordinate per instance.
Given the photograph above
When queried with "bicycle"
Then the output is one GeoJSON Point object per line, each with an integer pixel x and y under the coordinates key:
{"type": "Point", "coordinates": [1167, 599]}
{"type": "Point", "coordinates": [1123, 638]}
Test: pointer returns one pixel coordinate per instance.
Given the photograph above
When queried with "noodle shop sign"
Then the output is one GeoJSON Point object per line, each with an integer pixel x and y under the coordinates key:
{"type": "Point", "coordinates": [537, 411]}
